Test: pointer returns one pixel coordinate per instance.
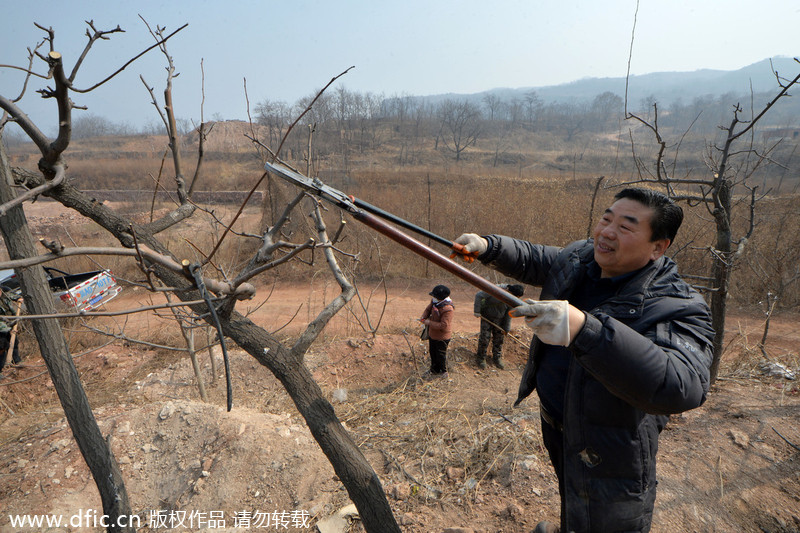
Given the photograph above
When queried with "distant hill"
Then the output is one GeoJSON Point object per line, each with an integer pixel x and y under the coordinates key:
{"type": "Point", "coordinates": [667, 87]}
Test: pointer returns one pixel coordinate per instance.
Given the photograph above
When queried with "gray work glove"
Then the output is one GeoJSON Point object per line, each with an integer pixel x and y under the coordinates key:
{"type": "Point", "coordinates": [549, 320]}
{"type": "Point", "coordinates": [468, 246]}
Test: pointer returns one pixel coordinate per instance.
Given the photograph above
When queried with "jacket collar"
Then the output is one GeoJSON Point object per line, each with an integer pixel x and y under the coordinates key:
{"type": "Point", "coordinates": [441, 303]}
{"type": "Point", "coordinates": [659, 278]}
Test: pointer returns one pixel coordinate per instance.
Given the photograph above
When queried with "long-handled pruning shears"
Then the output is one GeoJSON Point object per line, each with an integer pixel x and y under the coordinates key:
{"type": "Point", "coordinates": [368, 214]}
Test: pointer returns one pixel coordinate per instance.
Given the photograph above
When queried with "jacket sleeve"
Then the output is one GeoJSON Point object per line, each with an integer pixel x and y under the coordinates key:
{"type": "Point", "coordinates": [518, 259]}
{"type": "Point", "coordinates": [427, 312]}
{"type": "Point", "coordinates": [480, 299]}
{"type": "Point", "coordinates": [663, 371]}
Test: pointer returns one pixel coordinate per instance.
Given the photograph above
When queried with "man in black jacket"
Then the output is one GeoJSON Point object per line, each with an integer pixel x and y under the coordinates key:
{"type": "Point", "coordinates": [621, 342]}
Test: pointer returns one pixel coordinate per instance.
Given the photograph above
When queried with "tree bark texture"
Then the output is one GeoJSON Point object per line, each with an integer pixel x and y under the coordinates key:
{"type": "Point", "coordinates": [95, 449]}
{"type": "Point", "coordinates": [721, 271]}
{"type": "Point", "coordinates": [348, 462]}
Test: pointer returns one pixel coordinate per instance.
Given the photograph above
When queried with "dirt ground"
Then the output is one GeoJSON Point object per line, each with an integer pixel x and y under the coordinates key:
{"type": "Point", "coordinates": [453, 455]}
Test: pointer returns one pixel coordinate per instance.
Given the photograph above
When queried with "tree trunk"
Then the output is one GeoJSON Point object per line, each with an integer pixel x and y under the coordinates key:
{"type": "Point", "coordinates": [348, 462]}
{"type": "Point", "coordinates": [55, 352]}
{"type": "Point", "coordinates": [721, 272]}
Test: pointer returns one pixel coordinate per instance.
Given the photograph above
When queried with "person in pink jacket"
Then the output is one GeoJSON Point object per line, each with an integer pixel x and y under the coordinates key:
{"type": "Point", "coordinates": [438, 316]}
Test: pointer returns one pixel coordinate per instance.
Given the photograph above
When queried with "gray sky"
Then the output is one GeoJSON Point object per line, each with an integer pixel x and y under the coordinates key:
{"type": "Point", "coordinates": [288, 49]}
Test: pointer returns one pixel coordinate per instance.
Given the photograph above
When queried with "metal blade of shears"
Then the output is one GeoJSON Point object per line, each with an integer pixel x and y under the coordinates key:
{"type": "Point", "coordinates": [317, 187]}
{"type": "Point", "coordinates": [368, 214]}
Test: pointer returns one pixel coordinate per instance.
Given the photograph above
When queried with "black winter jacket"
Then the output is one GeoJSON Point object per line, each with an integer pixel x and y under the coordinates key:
{"type": "Point", "coordinates": [641, 355]}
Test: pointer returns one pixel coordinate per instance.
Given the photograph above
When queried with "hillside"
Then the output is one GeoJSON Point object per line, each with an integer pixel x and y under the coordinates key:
{"type": "Point", "coordinates": [667, 88]}
{"type": "Point", "coordinates": [453, 455]}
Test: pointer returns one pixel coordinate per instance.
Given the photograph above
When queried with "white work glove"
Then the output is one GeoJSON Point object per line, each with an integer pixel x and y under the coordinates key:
{"type": "Point", "coordinates": [549, 320]}
{"type": "Point", "coordinates": [469, 246]}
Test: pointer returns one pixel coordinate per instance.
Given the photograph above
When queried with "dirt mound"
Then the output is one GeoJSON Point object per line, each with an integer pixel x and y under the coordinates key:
{"type": "Point", "coordinates": [174, 454]}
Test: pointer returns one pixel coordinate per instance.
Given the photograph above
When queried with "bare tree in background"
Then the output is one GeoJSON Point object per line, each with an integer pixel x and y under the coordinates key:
{"type": "Point", "coordinates": [494, 104]}
{"type": "Point", "coordinates": [208, 298]}
{"type": "Point", "coordinates": [730, 169]}
{"type": "Point", "coordinates": [533, 106]}
{"type": "Point", "coordinates": [275, 115]}
{"type": "Point", "coordinates": [775, 261]}
{"type": "Point", "coordinates": [461, 125]}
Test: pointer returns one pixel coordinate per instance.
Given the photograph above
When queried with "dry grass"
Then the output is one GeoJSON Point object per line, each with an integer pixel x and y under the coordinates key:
{"type": "Point", "coordinates": [541, 191]}
{"type": "Point", "coordinates": [457, 447]}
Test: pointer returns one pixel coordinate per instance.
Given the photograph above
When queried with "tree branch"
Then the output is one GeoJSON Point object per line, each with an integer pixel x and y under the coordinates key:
{"type": "Point", "coordinates": [265, 174]}
{"type": "Point", "coordinates": [121, 312]}
{"type": "Point", "coordinates": [34, 133]}
{"type": "Point", "coordinates": [123, 67]}
{"type": "Point", "coordinates": [315, 327]}
{"type": "Point", "coordinates": [32, 193]}
{"type": "Point", "coordinates": [92, 38]}
{"type": "Point", "coordinates": [243, 291]}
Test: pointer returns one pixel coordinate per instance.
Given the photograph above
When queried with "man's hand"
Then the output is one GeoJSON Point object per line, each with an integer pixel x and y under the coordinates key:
{"type": "Point", "coordinates": [553, 321]}
{"type": "Point", "coordinates": [469, 246]}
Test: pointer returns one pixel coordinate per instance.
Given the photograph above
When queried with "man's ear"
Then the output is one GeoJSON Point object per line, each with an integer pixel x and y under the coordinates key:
{"type": "Point", "coordinates": [659, 248]}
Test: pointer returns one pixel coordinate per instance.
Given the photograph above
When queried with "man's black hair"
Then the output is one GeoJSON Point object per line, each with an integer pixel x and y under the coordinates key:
{"type": "Point", "coordinates": [667, 215]}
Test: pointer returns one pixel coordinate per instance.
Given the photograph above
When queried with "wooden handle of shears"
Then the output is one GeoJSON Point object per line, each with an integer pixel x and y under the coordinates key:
{"type": "Point", "coordinates": [436, 258]}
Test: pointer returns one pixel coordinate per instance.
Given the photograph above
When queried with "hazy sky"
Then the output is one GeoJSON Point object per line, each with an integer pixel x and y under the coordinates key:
{"type": "Point", "coordinates": [290, 48]}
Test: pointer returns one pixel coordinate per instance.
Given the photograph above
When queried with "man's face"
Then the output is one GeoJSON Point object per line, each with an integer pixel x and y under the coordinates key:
{"type": "Point", "coordinates": [622, 239]}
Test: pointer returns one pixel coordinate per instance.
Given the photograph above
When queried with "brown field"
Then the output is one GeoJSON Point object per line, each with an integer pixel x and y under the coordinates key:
{"type": "Point", "coordinates": [451, 454]}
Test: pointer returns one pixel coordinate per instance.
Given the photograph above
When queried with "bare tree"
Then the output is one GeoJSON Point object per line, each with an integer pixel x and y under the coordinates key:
{"type": "Point", "coordinates": [213, 300]}
{"type": "Point", "coordinates": [35, 288]}
{"type": "Point", "coordinates": [55, 352]}
{"type": "Point", "coordinates": [515, 110]}
{"type": "Point", "coordinates": [502, 141]}
{"type": "Point", "coordinates": [494, 104]}
{"type": "Point", "coordinates": [533, 106]}
{"type": "Point", "coordinates": [368, 115]}
{"type": "Point", "coordinates": [730, 168]}
{"type": "Point", "coordinates": [461, 125]}
{"type": "Point", "coordinates": [605, 111]}
{"type": "Point", "coordinates": [775, 261]}
{"type": "Point", "coordinates": [276, 116]}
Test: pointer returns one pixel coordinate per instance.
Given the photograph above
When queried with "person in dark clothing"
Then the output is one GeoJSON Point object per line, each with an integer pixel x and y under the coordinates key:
{"type": "Point", "coordinates": [621, 342]}
{"type": "Point", "coordinates": [495, 324]}
{"type": "Point", "coordinates": [438, 316]}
